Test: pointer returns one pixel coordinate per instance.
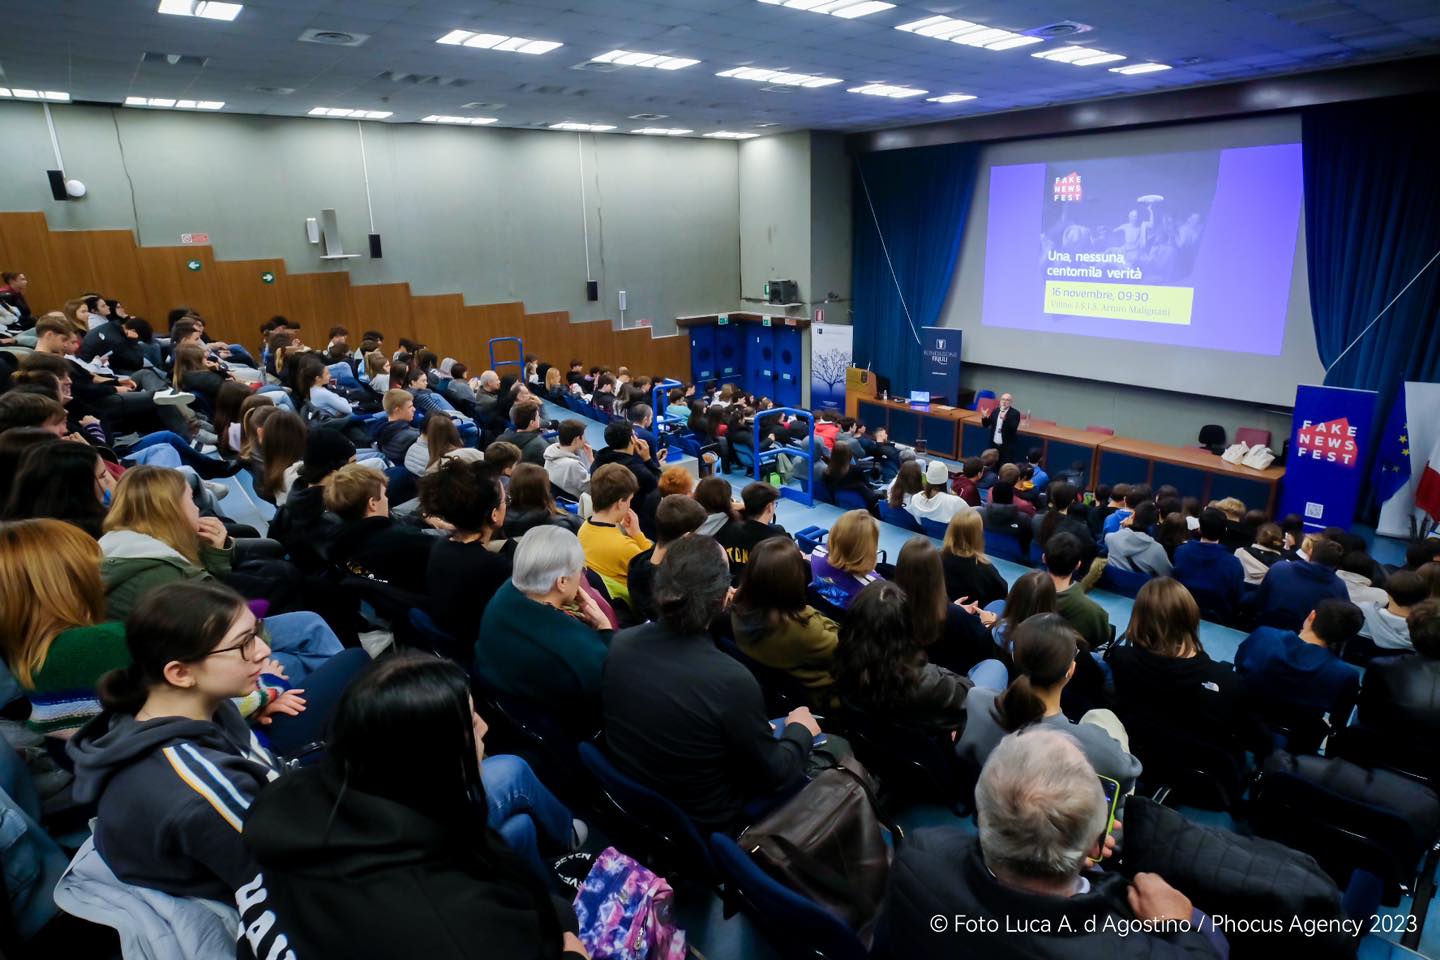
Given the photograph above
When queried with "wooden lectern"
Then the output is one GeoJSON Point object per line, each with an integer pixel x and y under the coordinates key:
{"type": "Point", "coordinates": [859, 384]}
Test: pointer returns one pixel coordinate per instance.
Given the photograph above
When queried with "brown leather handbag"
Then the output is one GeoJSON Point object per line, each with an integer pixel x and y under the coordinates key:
{"type": "Point", "coordinates": [826, 843]}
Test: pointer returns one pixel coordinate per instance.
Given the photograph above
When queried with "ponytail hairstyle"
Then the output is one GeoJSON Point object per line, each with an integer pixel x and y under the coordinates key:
{"type": "Point", "coordinates": [1062, 495]}
{"type": "Point", "coordinates": [1045, 648]}
{"type": "Point", "coordinates": [253, 413]}
{"type": "Point", "coordinates": [180, 621]}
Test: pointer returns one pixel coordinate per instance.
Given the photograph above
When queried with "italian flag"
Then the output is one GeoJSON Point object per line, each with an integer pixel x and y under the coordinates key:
{"type": "Point", "coordinates": [1427, 491]}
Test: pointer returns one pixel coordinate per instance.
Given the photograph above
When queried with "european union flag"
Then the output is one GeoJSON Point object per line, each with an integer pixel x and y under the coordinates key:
{"type": "Point", "coordinates": [1392, 461]}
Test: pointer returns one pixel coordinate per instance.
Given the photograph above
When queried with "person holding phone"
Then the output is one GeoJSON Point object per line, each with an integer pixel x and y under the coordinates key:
{"type": "Point", "coordinates": [1033, 868]}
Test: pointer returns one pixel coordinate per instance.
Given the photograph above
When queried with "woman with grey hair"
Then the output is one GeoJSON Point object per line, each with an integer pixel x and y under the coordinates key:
{"type": "Point", "coordinates": [543, 638]}
{"type": "Point", "coordinates": [1032, 870]}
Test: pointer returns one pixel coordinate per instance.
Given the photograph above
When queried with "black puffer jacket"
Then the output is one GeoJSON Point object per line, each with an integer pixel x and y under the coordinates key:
{"type": "Point", "coordinates": [1229, 875]}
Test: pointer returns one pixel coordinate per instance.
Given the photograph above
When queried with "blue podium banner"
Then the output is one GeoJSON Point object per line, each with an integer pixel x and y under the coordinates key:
{"type": "Point", "coordinates": [941, 372]}
{"type": "Point", "coordinates": [1332, 431]}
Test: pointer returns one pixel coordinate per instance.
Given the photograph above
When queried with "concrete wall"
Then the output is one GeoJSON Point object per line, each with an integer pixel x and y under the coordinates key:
{"type": "Point", "coordinates": [495, 215]}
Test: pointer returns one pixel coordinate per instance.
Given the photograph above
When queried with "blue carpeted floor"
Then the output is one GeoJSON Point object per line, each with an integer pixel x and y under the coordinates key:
{"type": "Point", "coordinates": [736, 939]}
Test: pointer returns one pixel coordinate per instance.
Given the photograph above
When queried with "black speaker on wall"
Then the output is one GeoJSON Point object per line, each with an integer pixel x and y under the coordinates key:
{"type": "Point", "coordinates": [57, 184]}
{"type": "Point", "coordinates": [375, 253]}
{"type": "Point", "coordinates": [592, 290]}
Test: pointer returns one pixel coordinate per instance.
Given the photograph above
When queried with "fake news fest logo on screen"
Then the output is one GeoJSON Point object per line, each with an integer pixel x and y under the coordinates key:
{"type": "Point", "coordinates": [1068, 187]}
{"type": "Point", "coordinates": [1332, 441]}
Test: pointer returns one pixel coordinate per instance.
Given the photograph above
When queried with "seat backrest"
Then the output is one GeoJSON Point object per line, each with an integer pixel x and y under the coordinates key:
{"type": "Point", "coordinates": [1254, 436]}
{"type": "Point", "coordinates": [783, 692]}
{"type": "Point", "coordinates": [1127, 583]}
{"type": "Point", "coordinates": [785, 916]}
{"type": "Point", "coordinates": [1211, 435]}
{"type": "Point", "coordinates": [1004, 545]}
{"type": "Point", "coordinates": [912, 764]}
{"type": "Point", "coordinates": [1201, 773]}
{"type": "Point", "coordinates": [850, 500]}
{"type": "Point", "coordinates": [653, 815]}
{"type": "Point", "coordinates": [899, 517]}
{"type": "Point", "coordinates": [936, 529]}
{"type": "Point", "coordinates": [984, 404]}
{"type": "Point", "coordinates": [438, 640]}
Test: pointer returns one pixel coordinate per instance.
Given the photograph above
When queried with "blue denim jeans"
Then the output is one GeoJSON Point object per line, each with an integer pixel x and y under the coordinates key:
{"type": "Point", "coordinates": [32, 862]}
{"type": "Point", "coordinates": [343, 374]}
{"type": "Point", "coordinates": [990, 674]}
{"type": "Point", "coordinates": [522, 810]}
{"type": "Point", "coordinates": [278, 395]}
{"type": "Point", "coordinates": [187, 454]}
{"type": "Point", "coordinates": [302, 642]}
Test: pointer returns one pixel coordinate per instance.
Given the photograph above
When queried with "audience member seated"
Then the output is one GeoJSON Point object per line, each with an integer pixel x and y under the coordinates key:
{"type": "Point", "coordinates": [676, 517]}
{"type": "Point", "coordinates": [1165, 682]}
{"type": "Point", "coordinates": [969, 574]}
{"type": "Point", "coordinates": [612, 536]}
{"type": "Point", "coordinates": [755, 523]}
{"type": "Point", "coordinates": [543, 638]}
{"type": "Point", "coordinates": [1210, 570]}
{"type": "Point", "coordinates": [1065, 515]}
{"type": "Point", "coordinates": [1024, 509]}
{"type": "Point", "coordinates": [393, 824]}
{"type": "Point", "coordinates": [1292, 588]}
{"type": "Point", "coordinates": [686, 719]}
{"type": "Point", "coordinates": [1063, 557]}
{"type": "Point", "coordinates": [369, 543]}
{"type": "Point", "coordinates": [1429, 573]}
{"type": "Point", "coordinates": [1032, 594]}
{"type": "Point", "coordinates": [532, 503]}
{"type": "Point", "coordinates": [1257, 559]}
{"type": "Point", "coordinates": [1133, 496]}
{"type": "Point", "coordinates": [1419, 554]}
{"type": "Point", "coordinates": [527, 432]}
{"type": "Point", "coordinates": [1047, 650]}
{"type": "Point", "coordinates": [63, 481]}
{"type": "Point", "coordinates": [466, 568]}
{"type": "Point", "coordinates": [1003, 515]}
{"type": "Point", "coordinates": [623, 449]}
{"type": "Point", "coordinates": [1385, 623]}
{"type": "Point", "coordinates": [1304, 670]}
{"type": "Point", "coordinates": [908, 482]}
{"type": "Point", "coordinates": [953, 636]}
{"type": "Point", "coordinates": [279, 454]}
{"type": "Point", "coordinates": [934, 501]}
{"type": "Point", "coordinates": [675, 480]}
{"type": "Point", "coordinates": [398, 434]}
{"type": "Point", "coordinates": [1400, 696]}
{"type": "Point", "coordinates": [841, 474]}
{"type": "Point", "coordinates": [715, 495]}
{"type": "Point", "coordinates": [568, 459]}
{"type": "Point", "coordinates": [845, 564]}
{"type": "Point", "coordinates": [774, 624]}
{"type": "Point", "coordinates": [881, 668]}
{"type": "Point", "coordinates": [967, 485]}
{"type": "Point", "coordinates": [1132, 548]}
{"type": "Point", "coordinates": [170, 763]}
{"type": "Point", "coordinates": [1035, 865]}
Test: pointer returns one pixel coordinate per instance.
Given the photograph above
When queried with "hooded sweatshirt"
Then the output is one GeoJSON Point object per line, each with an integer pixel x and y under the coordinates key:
{"type": "Point", "coordinates": [172, 795]}
{"type": "Point", "coordinates": [346, 873]}
{"type": "Point", "coordinates": [1388, 631]}
{"type": "Point", "coordinates": [1137, 551]}
{"type": "Point", "coordinates": [1292, 589]}
{"type": "Point", "coordinates": [136, 562]}
{"type": "Point", "coordinates": [568, 469]}
{"type": "Point", "coordinates": [1362, 589]}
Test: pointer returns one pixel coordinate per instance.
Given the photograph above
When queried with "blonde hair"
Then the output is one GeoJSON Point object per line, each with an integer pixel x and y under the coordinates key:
{"type": "Point", "coordinates": [965, 536]}
{"type": "Point", "coordinates": [349, 490]}
{"type": "Point", "coordinates": [853, 542]}
{"type": "Point", "coordinates": [1232, 507]}
{"type": "Point", "coordinates": [552, 378]}
{"type": "Point", "coordinates": [394, 399]}
{"type": "Point", "coordinates": [49, 582]}
{"type": "Point", "coordinates": [147, 500]}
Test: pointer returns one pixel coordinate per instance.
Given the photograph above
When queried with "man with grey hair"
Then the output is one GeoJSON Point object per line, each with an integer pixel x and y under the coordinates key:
{"type": "Point", "coordinates": [1030, 885]}
{"type": "Point", "coordinates": [543, 637]}
{"type": "Point", "coordinates": [487, 395]}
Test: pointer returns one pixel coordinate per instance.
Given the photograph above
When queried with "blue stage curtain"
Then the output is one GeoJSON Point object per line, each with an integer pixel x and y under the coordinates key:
{"type": "Point", "coordinates": [921, 199]}
{"type": "Point", "coordinates": [1372, 220]}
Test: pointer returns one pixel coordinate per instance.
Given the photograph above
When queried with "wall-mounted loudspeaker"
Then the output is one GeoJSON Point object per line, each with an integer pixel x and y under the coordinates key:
{"type": "Point", "coordinates": [375, 246]}
{"type": "Point", "coordinates": [592, 290]}
{"type": "Point", "coordinates": [57, 184]}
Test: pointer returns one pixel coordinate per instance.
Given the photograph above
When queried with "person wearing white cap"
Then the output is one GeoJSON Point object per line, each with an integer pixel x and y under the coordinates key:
{"type": "Point", "coordinates": [935, 501]}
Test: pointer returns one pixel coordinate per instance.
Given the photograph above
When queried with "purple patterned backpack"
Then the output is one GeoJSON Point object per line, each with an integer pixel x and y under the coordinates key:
{"type": "Point", "coordinates": [624, 912]}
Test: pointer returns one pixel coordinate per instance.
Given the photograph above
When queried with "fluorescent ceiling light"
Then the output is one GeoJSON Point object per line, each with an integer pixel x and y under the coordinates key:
{"type": "Point", "coordinates": [1079, 56]}
{"type": "Point", "coordinates": [951, 98]}
{"type": "Point", "coordinates": [163, 103]}
{"type": "Point", "coordinates": [468, 121]}
{"type": "Point", "coordinates": [845, 9]}
{"type": "Point", "coordinates": [887, 90]}
{"type": "Point", "coordinates": [730, 135]}
{"type": "Point", "coordinates": [625, 58]}
{"type": "Point", "coordinates": [1138, 68]}
{"type": "Point", "coordinates": [663, 131]}
{"type": "Point", "coordinates": [347, 112]}
{"type": "Point", "coordinates": [208, 9]}
{"type": "Point", "coordinates": [498, 41]}
{"type": "Point", "coordinates": [968, 33]}
{"type": "Point", "coordinates": [582, 127]}
{"type": "Point", "coordinates": [762, 75]}
{"type": "Point", "coordinates": [54, 96]}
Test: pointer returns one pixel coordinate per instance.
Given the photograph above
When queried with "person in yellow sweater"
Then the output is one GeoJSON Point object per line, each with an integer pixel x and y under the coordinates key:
{"type": "Point", "coordinates": [612, 537]}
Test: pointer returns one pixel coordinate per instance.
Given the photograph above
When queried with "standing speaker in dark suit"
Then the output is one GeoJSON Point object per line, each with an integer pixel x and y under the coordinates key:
{"type": "Point", "coordinates": [1001, 424]}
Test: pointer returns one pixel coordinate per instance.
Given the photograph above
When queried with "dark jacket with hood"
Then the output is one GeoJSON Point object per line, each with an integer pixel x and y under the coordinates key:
{"type": "Point", "coordinates": [532, 444]}
{"type": "Point", "coordinates": [345, 873]}
{"type": "Point", "coordinates": [1292, 589]}
{"type": "Point", "coordinates": [396, 438]}
{"type": "Point", "coordinates": [125, 354]}
{"type": "Point", "coordinates": [379, 547]}
{"type": "Point", "coordinates": [172, 795]}
{"type": "Point", "coordinates": [646, 475]}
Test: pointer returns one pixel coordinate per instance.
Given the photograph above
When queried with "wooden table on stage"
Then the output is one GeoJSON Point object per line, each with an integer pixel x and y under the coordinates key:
{"type": "Point", "coordinates": [1196, 472]}
{"type": "Point", "coordinates": [939, 425]}
{"type": "Point", "coordinates": [1060, 447]}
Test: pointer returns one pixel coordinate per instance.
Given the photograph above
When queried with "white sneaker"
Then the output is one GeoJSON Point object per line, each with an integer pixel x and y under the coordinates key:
{"type": "Point", "coordinates": [218, 490]}
{"type": "Point", "coordinates": [172, 397]}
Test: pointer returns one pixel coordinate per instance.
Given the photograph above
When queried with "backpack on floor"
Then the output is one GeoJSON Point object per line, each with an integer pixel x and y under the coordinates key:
{"type": "Point", "coordinates": [624, 911]}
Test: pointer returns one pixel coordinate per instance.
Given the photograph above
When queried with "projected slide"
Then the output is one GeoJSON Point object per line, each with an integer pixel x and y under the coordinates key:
{"type": "Point", "coordinates": [1190, 249]}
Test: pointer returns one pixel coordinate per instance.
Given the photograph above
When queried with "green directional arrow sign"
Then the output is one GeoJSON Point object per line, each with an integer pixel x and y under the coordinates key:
{"type": "Point", "coordinates": [193, 266]}
{"type": "Point", "coordinates": [267, 277]}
